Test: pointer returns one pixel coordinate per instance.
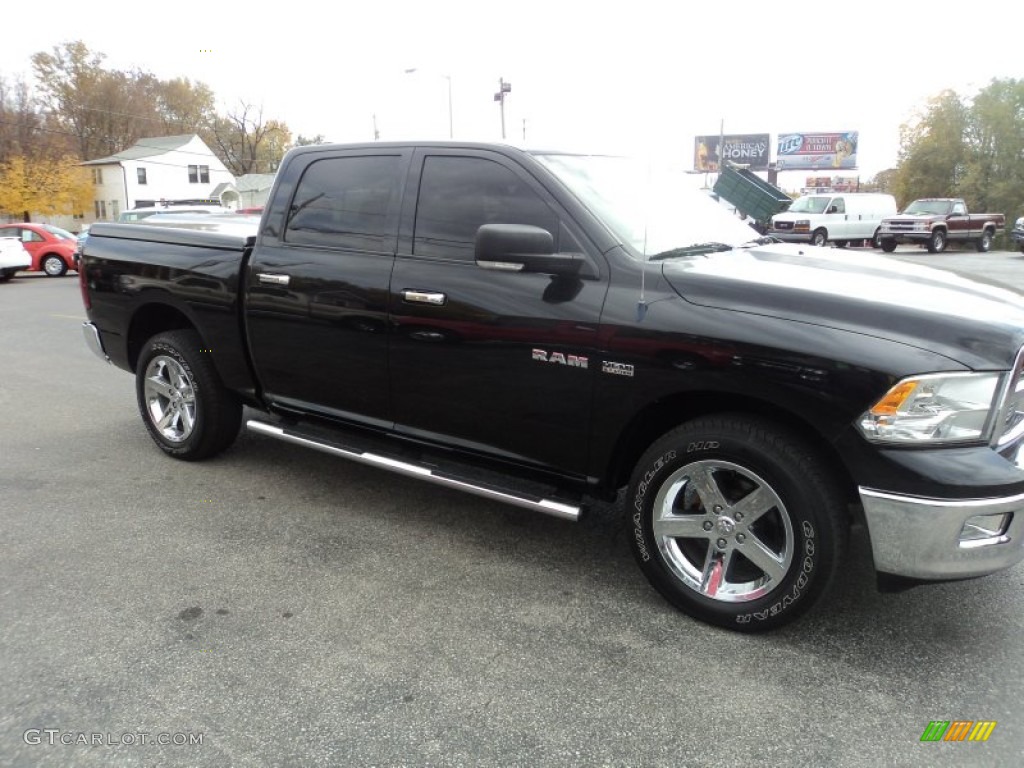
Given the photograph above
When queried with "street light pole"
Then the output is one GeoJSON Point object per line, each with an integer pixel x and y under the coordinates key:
{"type": "Point", "coordinates": [503, 88]}
{"type": "Point", "coordinates": [451, 122]}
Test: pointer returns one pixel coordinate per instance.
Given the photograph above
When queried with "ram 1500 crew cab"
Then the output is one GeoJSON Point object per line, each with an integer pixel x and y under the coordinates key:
{"type": "Point", "coordinates": [545, 328]}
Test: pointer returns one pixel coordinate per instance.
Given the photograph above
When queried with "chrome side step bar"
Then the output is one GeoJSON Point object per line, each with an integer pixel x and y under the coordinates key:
{"type": "Point", "coordinates": [546, 506]}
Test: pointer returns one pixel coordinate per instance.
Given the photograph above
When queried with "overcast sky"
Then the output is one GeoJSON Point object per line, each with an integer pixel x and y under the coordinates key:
{"type": "Point", "coordinates": [620, 77]}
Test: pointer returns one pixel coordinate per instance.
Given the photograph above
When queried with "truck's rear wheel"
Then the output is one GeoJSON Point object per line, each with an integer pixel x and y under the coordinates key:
{"type": "Point", "coordinates": [736, 522]}
{"type": "Point", "coordinates": [819, 238]}
{"type": "Point", "coordinates": [937, 242]}
{"type": "Point", "coordinates": [182, 401]}
{"type": "Point", "coordinates": [984, 243]}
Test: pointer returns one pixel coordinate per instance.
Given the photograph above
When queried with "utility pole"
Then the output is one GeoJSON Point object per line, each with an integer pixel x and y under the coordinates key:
{"type": "Point", "coordinates": [499, 97]}
{"type": "Point", "coordinates": [524, 129]}
{"type": "Point", "coordinates": [376, 133]}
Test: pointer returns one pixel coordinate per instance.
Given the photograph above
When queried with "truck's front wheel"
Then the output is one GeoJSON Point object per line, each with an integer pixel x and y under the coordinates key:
{"type": "Point", "coordinates": [819, 238]}
{"type": "Point", "coordinates": [736, 522]}
{"type": "Point", "coordinates": [183, 403]}
{"type": "Point", "coordinates": [937, 241]}
{"type": "Point", "coordinates": [888, 244]}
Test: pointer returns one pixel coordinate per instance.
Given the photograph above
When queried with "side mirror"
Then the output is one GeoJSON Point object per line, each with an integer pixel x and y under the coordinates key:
{"type": "Point", "coordinates": [833, 209]}
{"type": "Point", "coordinates": [522, 248]}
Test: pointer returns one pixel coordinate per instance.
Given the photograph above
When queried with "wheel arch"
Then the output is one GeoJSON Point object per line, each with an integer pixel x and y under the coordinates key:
{"type": "Point", "coordinates": [664, 415]}
{"type": "Point", "coordinates": [148, 321]}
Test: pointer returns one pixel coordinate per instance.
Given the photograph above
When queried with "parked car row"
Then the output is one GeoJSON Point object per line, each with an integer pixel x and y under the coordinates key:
{"type": "Point", "coordinates": [50, 249]}
{"type": "Point", "coordinates": [1018, 234]}
{"type": "Point", "coordinates": [840, 218]}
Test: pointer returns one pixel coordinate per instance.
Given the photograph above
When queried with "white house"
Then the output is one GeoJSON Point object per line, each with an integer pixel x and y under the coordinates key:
{"type": "Point", "coordinates": [159, 169]}
{"type": "Point", "coordinates": [254, 189]}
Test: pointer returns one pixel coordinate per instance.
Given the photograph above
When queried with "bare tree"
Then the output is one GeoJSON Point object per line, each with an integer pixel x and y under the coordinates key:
{"type": "Point", "coordinates": [248, 144]}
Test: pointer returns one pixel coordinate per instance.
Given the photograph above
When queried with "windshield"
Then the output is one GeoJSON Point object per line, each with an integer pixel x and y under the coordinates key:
{"type": "Point", "coordinates": [652, 210]}
{"type": "Point", "coordinates": [63, 234]}
{"type": "Point", "coordinates": [938, 207]}
{"type": "Point", "coordinates": [809, 205]}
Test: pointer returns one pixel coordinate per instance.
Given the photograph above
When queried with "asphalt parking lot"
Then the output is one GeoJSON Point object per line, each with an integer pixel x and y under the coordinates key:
{"type": "Point", "coordinates": [286, 608]}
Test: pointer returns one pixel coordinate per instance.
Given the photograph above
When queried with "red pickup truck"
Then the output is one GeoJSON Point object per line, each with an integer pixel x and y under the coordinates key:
{"type": "Point", "coordinates": [936, 221]}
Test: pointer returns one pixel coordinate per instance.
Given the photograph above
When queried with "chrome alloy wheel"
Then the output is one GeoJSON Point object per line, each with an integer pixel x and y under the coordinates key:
{"type": "Point", "coordinates": [170, 398]}
{"type": "Point", "coordinates": [723, 531]}
{"type": "Point", "coordinates": [53, 266]}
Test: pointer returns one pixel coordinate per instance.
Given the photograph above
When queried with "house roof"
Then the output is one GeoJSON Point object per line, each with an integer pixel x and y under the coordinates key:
{"type": "Point", "coordinates": [254, 182]}
{"type": "Point", "coordinates": [221, 188]}
{"type": "Point", "coordinates": [149, 147]}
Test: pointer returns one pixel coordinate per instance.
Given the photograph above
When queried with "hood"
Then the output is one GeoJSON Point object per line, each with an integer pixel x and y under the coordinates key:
{"type": "Point", "coordinates": [915, 216]}
{"type": "Point", "coordinates": [977, 324]}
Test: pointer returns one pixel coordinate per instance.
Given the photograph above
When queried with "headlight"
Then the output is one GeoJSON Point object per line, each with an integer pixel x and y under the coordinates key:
{"type": "Point", "coordinates": [1019, 224]}
{"type": "Point", "coordinates": [935, 409]}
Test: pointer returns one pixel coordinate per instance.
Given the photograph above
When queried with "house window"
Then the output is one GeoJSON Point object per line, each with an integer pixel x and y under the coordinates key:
{"type": "Point", "coordinates": [97, 175]}
{"type": "Point", "coordinates": [142, 175]}
{"type": "Point", "coordinates": [199, 174]}
{"type": "Point", "coordinates": [101, 209]}
{"type": "Point", "coordinates": [114, 207]}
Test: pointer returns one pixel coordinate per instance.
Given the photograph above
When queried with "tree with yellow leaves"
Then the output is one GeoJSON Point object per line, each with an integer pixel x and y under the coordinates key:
{"type": "Point", "coordinates": [44, 187]}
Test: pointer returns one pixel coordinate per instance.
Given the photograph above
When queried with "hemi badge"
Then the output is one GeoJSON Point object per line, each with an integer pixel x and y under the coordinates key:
{"type": "Point", "coordinates": [618, 369]}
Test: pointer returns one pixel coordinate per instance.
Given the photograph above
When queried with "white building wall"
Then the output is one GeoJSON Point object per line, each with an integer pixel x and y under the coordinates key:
{"type": "Point", "coordinates": [108, 195]}
{"type": "Point", "coordinates": [167, 178]}
{"type": "Point", "coordinates": [167, 175]}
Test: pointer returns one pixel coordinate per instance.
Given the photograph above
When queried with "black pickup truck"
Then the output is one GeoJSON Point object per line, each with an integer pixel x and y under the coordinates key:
{"type": "Point", "coordinates": [547, 328]}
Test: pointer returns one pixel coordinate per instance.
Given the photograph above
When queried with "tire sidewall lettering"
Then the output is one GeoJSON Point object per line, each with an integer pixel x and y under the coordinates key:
{"type": "Point", "coordinates": [638, 502]}
{"type": "Point", "coordinates": [800, 584]}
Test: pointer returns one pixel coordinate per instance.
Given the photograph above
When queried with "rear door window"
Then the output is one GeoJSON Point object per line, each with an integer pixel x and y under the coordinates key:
{"type": "Point", "coordinates": [346, 202]}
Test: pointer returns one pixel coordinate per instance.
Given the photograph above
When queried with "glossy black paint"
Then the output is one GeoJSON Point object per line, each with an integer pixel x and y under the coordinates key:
{"type": "Point", "coordinates": [320, 344]}
{"type": "Point", "coordinates": [134, 272]}
{"type": "Point", "coordinates": [495, 371]}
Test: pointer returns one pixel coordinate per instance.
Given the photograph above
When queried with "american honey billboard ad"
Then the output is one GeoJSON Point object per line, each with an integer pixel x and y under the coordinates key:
{"type": "Point", "coordinates": [817, 151]}
{"type": "Point", "coordinates": [749, 149]}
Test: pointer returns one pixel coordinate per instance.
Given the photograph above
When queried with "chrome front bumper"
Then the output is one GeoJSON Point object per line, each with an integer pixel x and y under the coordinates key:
{"type": "Point", "coordinates": [790, 236]}
{"type": "Point", "coordinates": [929, 539]}
{"type": "Point", "coordinates": [93, 341]}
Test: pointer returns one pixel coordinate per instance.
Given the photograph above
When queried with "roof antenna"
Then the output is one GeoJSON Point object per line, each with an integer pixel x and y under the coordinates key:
{"type": "Point", "coordinates": [641, 305]}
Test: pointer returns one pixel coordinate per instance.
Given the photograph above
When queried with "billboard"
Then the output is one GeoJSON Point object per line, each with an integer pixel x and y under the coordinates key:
{"type": "Point", "coordinates": [751, 149]}
{"type": "Point", "coordinates": [814, 151]}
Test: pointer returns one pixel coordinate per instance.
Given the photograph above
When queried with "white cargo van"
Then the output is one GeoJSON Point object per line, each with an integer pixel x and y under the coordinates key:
{"type": "Point", "coordinates": [833, 217]}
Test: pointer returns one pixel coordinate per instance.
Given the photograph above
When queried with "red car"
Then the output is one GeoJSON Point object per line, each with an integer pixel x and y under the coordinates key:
{"type": "Point", "coordinates": [50, 247]}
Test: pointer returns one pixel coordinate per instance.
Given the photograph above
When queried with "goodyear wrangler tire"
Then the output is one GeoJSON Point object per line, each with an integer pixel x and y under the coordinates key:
{"type": "Point", "coordinates": [183, 403]}
{"type": "Point", "coordinates": [736, 522]}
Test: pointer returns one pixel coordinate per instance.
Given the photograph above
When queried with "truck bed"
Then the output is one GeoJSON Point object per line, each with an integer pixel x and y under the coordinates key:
{"type": "Point", "coordinates": [191, 271]}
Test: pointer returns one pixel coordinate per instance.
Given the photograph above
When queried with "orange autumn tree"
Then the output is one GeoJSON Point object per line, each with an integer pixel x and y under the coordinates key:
{"type": "Point", "coordinates": [45, 187]}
